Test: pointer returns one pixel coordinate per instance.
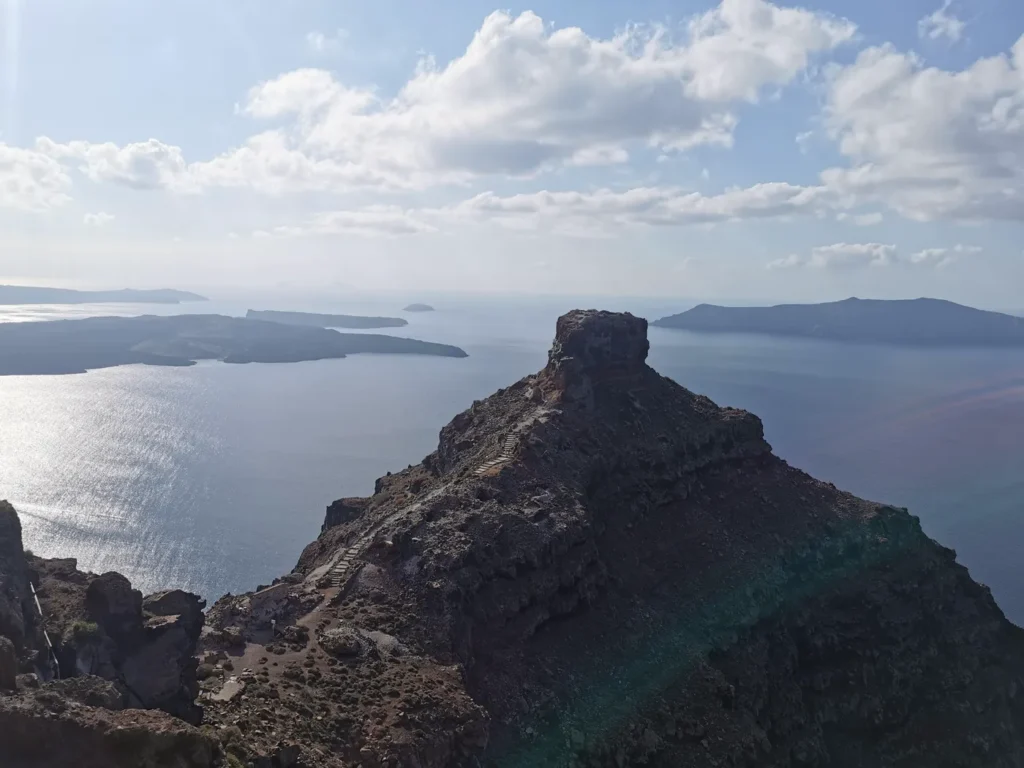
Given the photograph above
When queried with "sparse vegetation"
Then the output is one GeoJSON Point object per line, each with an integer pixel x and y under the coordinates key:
{"type": "Point", "coordinates": [81, 632]}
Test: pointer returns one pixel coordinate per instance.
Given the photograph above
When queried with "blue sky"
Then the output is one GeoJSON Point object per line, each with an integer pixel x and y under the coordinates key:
{"type": "Point", "coordinates": [739, 150]}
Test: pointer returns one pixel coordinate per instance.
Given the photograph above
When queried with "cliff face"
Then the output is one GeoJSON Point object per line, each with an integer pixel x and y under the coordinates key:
{"type": "Point", "coordinates": [597, 567]}
{"type": "Point", "coordinates": [72, 675]}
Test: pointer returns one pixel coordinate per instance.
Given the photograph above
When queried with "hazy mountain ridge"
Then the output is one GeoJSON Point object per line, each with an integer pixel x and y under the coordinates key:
{"type": "Point", "coordinates": [926, 322]}
{"type": "Point", "coordinates": [23, 294]}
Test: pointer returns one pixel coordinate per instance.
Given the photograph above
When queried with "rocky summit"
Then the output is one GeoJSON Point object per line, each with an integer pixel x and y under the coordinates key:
{"type": "Point", "coordinates": [596, 567]}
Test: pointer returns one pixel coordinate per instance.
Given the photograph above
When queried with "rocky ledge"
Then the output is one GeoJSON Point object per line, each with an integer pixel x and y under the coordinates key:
{"type": "Point", "coordinates": [597, 567]}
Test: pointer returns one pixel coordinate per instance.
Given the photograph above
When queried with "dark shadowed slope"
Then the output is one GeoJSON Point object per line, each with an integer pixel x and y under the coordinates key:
{"type": "Point", "coordinates": [926, 322]}
{"type": "Point", "coordinates": [26, 294]}
{"type": "Point", "coordinates": [317, 320]}
{"type": "Point", "coordinates": [75, 346]}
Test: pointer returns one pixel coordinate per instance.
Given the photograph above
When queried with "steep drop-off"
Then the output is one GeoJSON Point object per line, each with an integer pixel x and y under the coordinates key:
{"type": "Point", "coordinates": [597, 567]}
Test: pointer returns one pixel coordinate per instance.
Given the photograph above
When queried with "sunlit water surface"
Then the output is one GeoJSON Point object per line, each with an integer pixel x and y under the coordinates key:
{"type": "Point", "coordinates": [214, 477]}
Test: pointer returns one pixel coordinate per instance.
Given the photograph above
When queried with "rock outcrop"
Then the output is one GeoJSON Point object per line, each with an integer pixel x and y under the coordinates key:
{"type": "Point", "coordinates": [77, 723]}
{"type": "Point", "coordinates": [101, 626]}
{"type": "Point", "coordinates": [96, 647]}
{"type": "Point", "coordinates": [14, 589]}
{"type": "Point", "coordinates": [596, 567]}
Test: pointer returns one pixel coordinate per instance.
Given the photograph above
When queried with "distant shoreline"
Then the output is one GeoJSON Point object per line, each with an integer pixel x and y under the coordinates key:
{"type": "Point", "coordinates": [927, 323]}
{"type": "Point", "coordinates": [74, 346]}
{"type": "Point", "coordinates": [24, 294]}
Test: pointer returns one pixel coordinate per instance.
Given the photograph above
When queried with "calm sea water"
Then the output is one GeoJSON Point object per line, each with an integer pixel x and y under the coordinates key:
{"type": "Point", "coordinates": [213, 478]}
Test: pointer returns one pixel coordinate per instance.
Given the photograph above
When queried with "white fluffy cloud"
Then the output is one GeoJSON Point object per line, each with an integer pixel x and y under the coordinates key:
{"type": "Point", "coordinates": [927, 142]}
{"type": "Point", "coordinates": [941, 257]}
{"type": "Point", "coordinates": [30, 180]}
{"type": "Point", "coordinates": [100, 219]}
{"type": "Point", "coordinates": [144, 165]}
{"type": "Point", "coordinates": [525, 97]}
{"type": "Point", "coordinates": [941, 24]}
{"type": "Point", "coordinates": [852, 255]}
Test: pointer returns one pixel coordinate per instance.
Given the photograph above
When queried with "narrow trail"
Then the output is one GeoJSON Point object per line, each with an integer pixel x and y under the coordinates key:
{"type": "Point", "coordinates": [511, 443]}
{"type": "Point", "coordinates": [346, 563]}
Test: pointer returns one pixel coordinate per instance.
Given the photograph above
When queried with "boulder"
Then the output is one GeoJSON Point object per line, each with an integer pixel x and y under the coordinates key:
{"type": "Point", "coordinates": [160, 673]}
{"type": "Point", "coordinates": [341, 642]}
{"type": "Point", "coordinates": [115, 606]}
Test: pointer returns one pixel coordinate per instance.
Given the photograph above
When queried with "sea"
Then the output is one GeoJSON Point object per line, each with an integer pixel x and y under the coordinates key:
{"type": "Point", "coordinates": [213, 478]}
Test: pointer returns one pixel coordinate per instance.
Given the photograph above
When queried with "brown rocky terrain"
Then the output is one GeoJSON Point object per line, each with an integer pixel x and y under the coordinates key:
{"type": "Point", "coordinates": [596, 567]}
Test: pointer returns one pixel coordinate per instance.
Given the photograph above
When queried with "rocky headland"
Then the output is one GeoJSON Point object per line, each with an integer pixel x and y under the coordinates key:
{"type": "Point", "coordinates": [596, 567]}
{"type": "Point", "coordinates": [76, 346]}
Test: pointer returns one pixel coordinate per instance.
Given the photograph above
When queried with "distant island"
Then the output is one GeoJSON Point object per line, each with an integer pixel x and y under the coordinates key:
{"type": "Point", "coordinates": [325, 321]}
{"type": "Point", "coordinates": [25, 294]}
{"type": "Point", "coordinates": [76, 346]}
{"type": "Point", "coordinates": [419, 308]}
{"type": "Point", "coordinates": [915, 322]}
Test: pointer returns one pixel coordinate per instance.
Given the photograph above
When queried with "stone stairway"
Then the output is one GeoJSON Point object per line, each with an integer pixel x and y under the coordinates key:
{"type": "Point", "coordinates": [344, 567]}
{"type": "Point", "coordinates": [508, 447]}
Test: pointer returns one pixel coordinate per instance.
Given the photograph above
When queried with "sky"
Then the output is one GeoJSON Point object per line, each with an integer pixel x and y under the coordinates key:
{"type": "Point", "coordinates": [742, 150]}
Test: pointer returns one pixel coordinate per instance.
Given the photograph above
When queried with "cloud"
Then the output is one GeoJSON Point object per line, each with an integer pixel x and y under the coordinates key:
{"type": "Point", "coordinates": [941, 257]}
{"type": "Point", "coordinates": [144, 165]}
{"type": "Point", "coordinates": [326, 45]}
{"type": "Point", "coordinates": [31, 181]}
{"type": "Point", "coordinates": [591, 214]}
{"type": "Point", "coordinates": [803, 140]}
{"type": "Point", "coordinates": [941, 24]}
{"type": "Point", "coordinates": [929, 143]}
{"type": "Point", "coordinates": [525, 97]}
{"type": "Point", "coordinates": [100, 219]}
{"type": "Point", "coordinates": [787, 262]}
{"type": "Point", "coordinates": [605, 209]}
{"type": "Point", "coordinates": [371, 221]}
{"type": "Point", "coordinates": [852, 255]}
{"type": "Point", "coordinates": [840, 256]}
{"type": "Point", "coordinates": [858, 255]}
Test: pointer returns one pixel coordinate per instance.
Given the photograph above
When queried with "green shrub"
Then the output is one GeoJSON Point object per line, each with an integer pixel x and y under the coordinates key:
{"type": "Point", "coordinates": [82, 632]}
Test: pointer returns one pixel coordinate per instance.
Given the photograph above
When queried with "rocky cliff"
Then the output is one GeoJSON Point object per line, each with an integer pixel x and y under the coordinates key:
{"type": "Point", "coordinates": [79, 651]}
{"type": "Point", "coordinates": [597, 567]}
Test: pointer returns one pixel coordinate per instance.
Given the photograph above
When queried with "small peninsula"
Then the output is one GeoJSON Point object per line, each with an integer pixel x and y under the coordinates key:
{"type": "Point", "coordinates": [26, 294]}
{"type": "Point", "coordinates": [418, 308]}
{"type": "Point", "coordinates": [316, 320]}
{"type": "Point", "coordinates": [911, 322]}
{"type": "Point", "coordinates": [76, 346]}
